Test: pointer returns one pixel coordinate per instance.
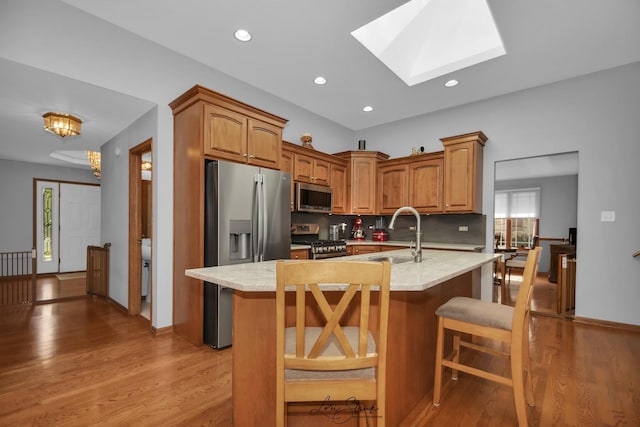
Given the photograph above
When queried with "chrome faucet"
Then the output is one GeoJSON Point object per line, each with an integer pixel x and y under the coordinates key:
{"type": "Point", "coordinates": [417, 254]}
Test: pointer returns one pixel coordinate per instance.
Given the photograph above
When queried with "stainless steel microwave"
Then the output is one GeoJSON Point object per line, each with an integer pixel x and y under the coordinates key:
{"type": "Point", "coordinates": [313, 198]}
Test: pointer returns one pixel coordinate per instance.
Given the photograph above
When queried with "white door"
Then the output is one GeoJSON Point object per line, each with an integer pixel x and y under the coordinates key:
{"type": "Point", "coordinates": [79, 224]}
{"type": "Point", "coordinates": [47, 208]}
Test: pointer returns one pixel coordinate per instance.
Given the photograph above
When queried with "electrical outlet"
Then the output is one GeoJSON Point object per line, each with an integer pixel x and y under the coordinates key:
{"type": "Point", "coordinates": [463, 228]}
{"type": "Point", "coordinates": [608, 216]}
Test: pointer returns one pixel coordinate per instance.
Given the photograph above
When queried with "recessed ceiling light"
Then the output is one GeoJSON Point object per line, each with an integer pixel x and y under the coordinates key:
{"type": "Point", "coordinates": [451, 83]}
{"type": "Point", "coordinates": [367, 108]}
{"type": "Point", "coordinates": [242, 35]}
{"type": "Point", "coordinates": [320, 80]}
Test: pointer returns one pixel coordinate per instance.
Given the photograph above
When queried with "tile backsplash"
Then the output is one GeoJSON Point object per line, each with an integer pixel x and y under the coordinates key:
{"type": "Point", "coordinates": [435, 228]}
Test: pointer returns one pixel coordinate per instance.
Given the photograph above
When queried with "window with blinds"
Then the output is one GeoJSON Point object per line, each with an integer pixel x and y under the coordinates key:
{"type": "Point", "coordinates": [516, 217]}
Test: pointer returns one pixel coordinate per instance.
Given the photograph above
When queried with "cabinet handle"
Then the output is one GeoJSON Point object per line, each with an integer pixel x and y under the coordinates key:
{"type": "Point", "coordinates": [252, 156]}
{"type": "Point", "coordinates": [244, 155]}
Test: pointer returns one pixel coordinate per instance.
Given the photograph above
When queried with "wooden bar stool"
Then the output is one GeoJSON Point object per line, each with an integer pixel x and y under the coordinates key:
{"type": "Point", "coordinates": [462, 315]}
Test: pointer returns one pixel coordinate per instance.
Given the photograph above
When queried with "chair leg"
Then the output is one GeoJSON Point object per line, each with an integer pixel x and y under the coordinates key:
{"type": "Point", "coordinates": [518, 388]}
{"type": "Point", "coordinates": [456, 355]}
{"type": "Point", "coordinates": [281, 413]}
{"type": "Point", "coordinates": [437, 377]}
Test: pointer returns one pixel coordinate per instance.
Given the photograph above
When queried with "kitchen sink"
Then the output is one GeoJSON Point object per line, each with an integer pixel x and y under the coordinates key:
{"type": "Point", "coordinates": [392, 259]}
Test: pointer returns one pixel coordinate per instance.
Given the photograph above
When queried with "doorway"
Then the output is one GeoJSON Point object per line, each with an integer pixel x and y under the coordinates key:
{"type": "Point", "coordinates": [541, 190]}
{"type": "Point", "coordinates": [66, 219]}
{"type": "Point", "coordinates": [140, 229]}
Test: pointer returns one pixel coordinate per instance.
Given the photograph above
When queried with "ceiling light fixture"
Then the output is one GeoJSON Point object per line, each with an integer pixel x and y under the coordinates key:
{"type": "Point", "coordinates": [242, 35]}
{"type": "Point", "coordinates": [62, 124]}
{"type": "Point", "coordinates": [320, 80]}
{"type": "Point", "coordinates": [451, 83]}
{"type": "Point", "coordinates": [367, 108]}
{"type": "Point", "coordinates": [94, 161]}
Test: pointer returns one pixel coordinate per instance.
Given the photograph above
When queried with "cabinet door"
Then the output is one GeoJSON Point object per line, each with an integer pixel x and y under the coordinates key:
{"type": "Point", "coordinates": [364, 249]}
{"type": "Point", "coordinates": [321, 172]}
{"type": "Point", "coordinates": [339, 189]}
{"type": "Point", "coordinates": [299, 254]}
{"type": "Point", "coordinates": [286, 165]}
{"type": "Point", "coordinates": [460, 178]}
{"type": "Point", "coordinates": [308, 169]}
{"type": "Point", "coordinates": [225, 134]}
{"type": "Point", "coordinates": [264, 144]}
{"type": "Point", "coordinates": [392, 188]}
{"type": "Point", "coordinates": [303, 168]}
{"type": "Point", "coordinates": [426, 185]}
{"type": "Point", "coordinates": [363, 185]}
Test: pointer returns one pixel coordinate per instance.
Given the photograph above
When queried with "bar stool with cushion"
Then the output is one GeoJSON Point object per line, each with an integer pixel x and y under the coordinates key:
{"type": "Point", "coordinates": [491, 321]}
{"type": "Point", "coordinates": [331, 335]}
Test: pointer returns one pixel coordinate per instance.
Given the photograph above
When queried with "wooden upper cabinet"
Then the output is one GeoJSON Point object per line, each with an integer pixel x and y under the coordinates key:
{"type": "Point", "coordinates": [339, 188]}
{"type": "Point", "coordinates": [415, 181]}
{"type": "Point", "coordinates": [463, 157]}
{"type": "Point", "coordinates": [426, 186]}
{"type": "Point", "coordinates": [232, 130]}
{"type": "Point", "coordinates": [286, 165]}
{"type": "Point", "coordinates": [312, 170]}
{"type": "Point", "coordinates": [393, 187]}
{"type": "Point", "coordinates": [264, 144]}
{"type": "Point", "coordinates": [361, 170]}
{"type": "Point", "coordinates": [225, 134]}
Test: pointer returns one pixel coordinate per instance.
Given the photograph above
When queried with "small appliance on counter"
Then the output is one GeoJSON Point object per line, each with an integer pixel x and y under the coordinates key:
{"type": "Point", "coordinates": [380, 234]}
{"type": "Point", "coordinates": [358, 232]}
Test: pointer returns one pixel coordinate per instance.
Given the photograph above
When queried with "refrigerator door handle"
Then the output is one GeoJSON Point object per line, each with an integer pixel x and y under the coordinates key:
{"type": "Point", "coordinates": [260, 217]}
{"type": "Point", "coordinates": [265, 218]}
{"type": "Point", "coordinates": [255, 217]}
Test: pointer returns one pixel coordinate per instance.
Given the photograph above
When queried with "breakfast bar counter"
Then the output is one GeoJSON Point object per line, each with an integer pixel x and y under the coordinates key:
{"type": "Point", "coordinates": [417, 290]}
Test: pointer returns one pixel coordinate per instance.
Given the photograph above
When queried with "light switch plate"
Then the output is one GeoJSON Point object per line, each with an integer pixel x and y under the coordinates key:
{"type": "Point", "coordinates": [607, 216]}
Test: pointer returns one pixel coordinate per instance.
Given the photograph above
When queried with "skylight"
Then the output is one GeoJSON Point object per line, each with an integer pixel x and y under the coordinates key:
{"type": "Point", "coordinates": [425, 39]}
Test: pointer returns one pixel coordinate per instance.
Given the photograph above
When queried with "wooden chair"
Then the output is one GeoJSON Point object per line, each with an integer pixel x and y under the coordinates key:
{"type": "Point", "coordinates": [515, 261]}
{"type": "Point", "coordinates": [495, 322]}
{"type": "Point", "coordinates": [332, 336]}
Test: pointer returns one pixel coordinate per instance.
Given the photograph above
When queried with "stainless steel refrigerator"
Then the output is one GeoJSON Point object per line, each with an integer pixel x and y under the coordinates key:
{"type": "Point", "coordinates": [247, 219]}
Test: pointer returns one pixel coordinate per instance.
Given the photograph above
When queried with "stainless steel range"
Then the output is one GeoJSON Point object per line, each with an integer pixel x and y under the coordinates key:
{"type": "Point", "coordinates": [308, 234]}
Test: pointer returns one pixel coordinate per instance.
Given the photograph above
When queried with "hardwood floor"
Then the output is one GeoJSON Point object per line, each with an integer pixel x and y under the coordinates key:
{"type": "Point", "coordinates": [83, 362]}
{"type": "Point", "coordinates": [49, 287]}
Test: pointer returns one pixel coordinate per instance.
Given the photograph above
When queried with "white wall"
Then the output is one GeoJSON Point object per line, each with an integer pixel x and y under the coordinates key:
{"type": "Point", "coordinates": [596, 115]}
{"type": "Point", "coordinates": [115, 202]}
{"type": "Point", "coordinates": [16, 198]}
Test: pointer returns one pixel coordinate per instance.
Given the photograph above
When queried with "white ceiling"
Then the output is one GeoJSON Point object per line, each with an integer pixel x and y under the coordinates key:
{"type": "Point", "coordinates": [296, 40]}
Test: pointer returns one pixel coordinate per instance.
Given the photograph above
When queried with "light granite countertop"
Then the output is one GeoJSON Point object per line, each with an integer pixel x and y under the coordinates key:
{"type": "Point", "coordinates": [425, 245]}
{"type": "Point", "coordinates": [436, 267]}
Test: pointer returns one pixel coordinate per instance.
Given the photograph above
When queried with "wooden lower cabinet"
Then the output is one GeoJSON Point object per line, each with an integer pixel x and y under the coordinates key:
{"type": "Point", "coordinates": [299, 254]}
{"type": "Point", "coordinates": [362, 249]}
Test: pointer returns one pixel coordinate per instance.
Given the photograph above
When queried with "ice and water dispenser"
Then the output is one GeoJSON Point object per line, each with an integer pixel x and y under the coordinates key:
{"type": "Point", "coordinates": [240, 240]}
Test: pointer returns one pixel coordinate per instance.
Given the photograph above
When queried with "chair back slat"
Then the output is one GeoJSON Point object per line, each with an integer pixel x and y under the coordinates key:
{"type": "Point", "coordinates": [354, 281]}
{"type": "Point", "coordinates": [523, 302]}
